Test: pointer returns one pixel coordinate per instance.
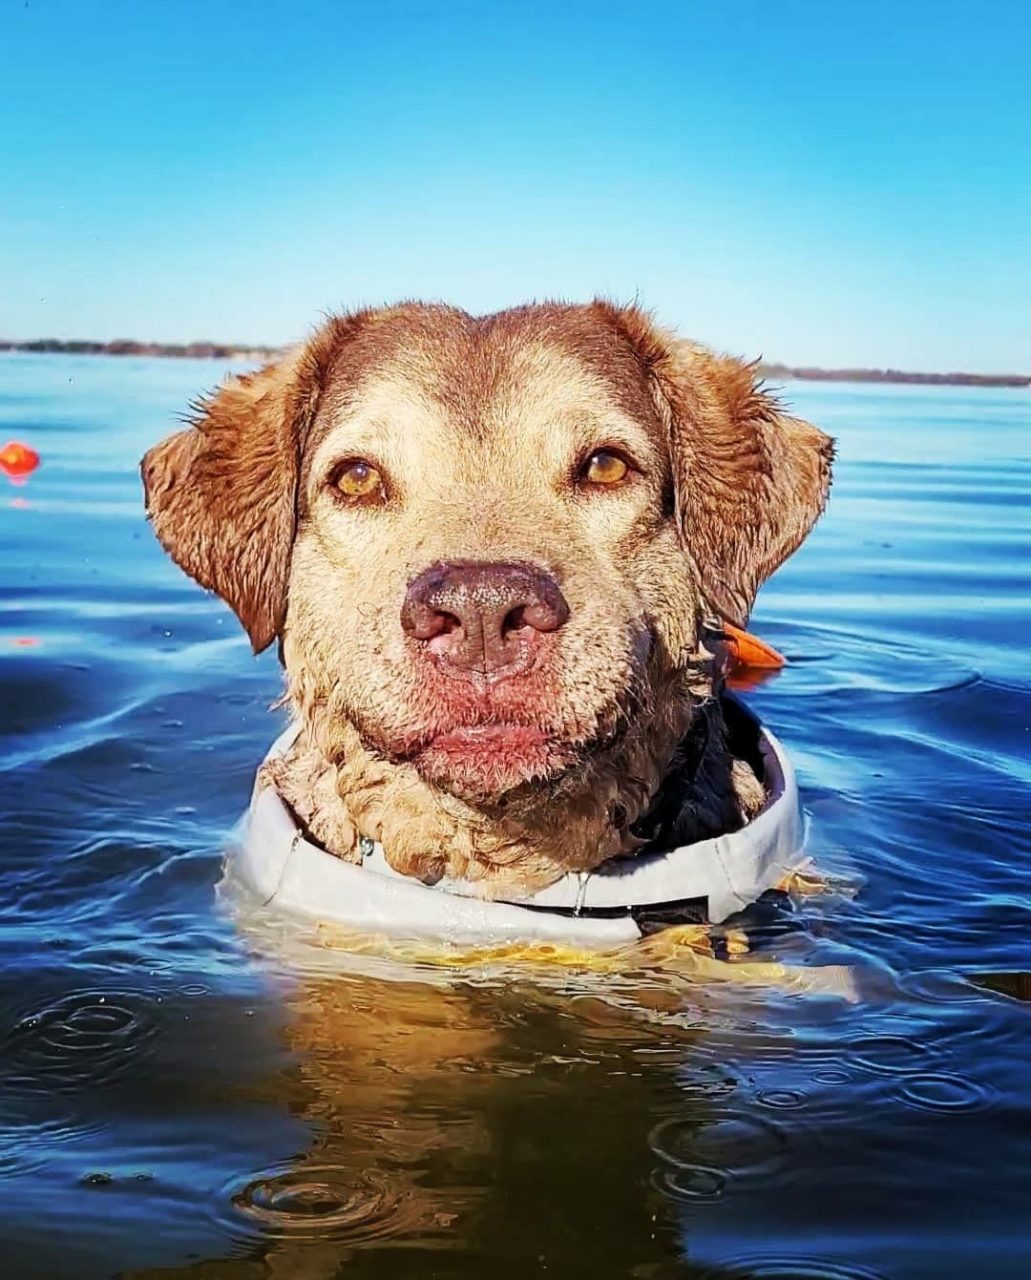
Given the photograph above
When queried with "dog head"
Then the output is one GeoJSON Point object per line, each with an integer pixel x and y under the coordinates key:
{"type": "Point", "coordinates": [488, 544]}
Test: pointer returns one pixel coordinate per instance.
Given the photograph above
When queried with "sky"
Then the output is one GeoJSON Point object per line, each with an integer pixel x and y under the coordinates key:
{"type": "Point", "coordinates": [834, 183]}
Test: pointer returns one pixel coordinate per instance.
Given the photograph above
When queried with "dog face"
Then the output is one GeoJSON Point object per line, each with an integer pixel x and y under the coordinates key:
{"type": "Point", "coordinates": [487, 544]}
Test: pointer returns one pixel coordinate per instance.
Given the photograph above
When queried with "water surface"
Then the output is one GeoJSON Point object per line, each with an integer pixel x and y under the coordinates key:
{"type": "Point", "coordinates": [178, 1100]}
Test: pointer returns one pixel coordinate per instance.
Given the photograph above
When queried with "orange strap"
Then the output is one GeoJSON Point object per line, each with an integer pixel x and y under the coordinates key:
{"type": "Point", "coordinates": [747, 650]}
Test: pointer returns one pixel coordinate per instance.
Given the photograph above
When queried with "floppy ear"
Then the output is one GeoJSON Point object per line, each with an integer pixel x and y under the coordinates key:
{"type": "Point", "coordinates": [750, 480]}
{"type": "Point", "coordinates": [222, 495]}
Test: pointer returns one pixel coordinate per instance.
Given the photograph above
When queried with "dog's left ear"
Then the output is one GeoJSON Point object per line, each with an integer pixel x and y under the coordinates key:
{"type": "Point", "coordinates": [750, 480]}
{"type": "Point", "coordinates": [222, 495]}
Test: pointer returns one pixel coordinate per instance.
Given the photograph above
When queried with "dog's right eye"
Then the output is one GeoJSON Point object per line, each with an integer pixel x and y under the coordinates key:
{"type": "Point", "coordinates": [358, 480]}
{"type": "Point", "coordinates": [604, 467]}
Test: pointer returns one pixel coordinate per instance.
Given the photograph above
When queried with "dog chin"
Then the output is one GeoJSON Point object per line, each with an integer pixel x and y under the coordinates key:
{"type": "Point", "coordinates": [490, 762]}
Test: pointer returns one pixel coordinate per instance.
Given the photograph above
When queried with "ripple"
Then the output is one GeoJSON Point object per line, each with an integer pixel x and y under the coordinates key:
{"type": "Point", "coordinates": [832, 1075]}
{"type": "Point", "coordinates": [321, 1201]}
{"type": "Point", "coordinates": [941, 1092]}
{"type": "Point", "coordinates": [781, 1099]}
{"type": "Point", "coordinates": [84, 1039]}
{"type": "Point", "coordinates": [695, 1183]}
{"type": "Point", "coordinates": [889, 1055]}
{"type": "Point", "coordinates": [936, 987]}
{"type": "Point", "coordinates": [744, 1143]}
{"type": "Point", "coordinates": [709, 1083]}
{"type": "Point", "coordinates": [706, 1153]}
{"type": "Point", "coordinates": [763, 1267]}
{"type": "Point", "coordinates": [1016, 985]}
{"type": "Point", "coordinates": [28, 1146]}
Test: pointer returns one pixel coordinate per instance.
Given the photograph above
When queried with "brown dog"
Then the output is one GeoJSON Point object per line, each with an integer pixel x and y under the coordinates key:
{"type": "Point", "coordinates": [495, 551]}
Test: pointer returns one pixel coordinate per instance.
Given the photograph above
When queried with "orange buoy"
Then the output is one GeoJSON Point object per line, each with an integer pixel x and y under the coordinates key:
{"type": "Point", "coordinates": [18, 460]}
{"type": "Point", "coordinates": [747, 650]}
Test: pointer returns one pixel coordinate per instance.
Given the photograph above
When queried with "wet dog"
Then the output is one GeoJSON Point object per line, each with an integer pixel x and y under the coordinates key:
{"type": "Point", "coordinates": [495, 553]}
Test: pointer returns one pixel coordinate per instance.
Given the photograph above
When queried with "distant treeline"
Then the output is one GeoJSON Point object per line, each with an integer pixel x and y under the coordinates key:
{"type": "Point", "coordinates": [244, 351]}
{"type": "Point", "coordinates": [897, 375]}
{"type": "Point", "coordinates": [129, 347]}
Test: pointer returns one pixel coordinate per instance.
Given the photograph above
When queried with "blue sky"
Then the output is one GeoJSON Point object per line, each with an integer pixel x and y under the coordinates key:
{"type": "Point", "coordinates": [837, 183]}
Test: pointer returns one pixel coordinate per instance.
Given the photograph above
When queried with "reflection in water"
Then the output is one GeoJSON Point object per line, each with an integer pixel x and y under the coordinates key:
{"type": "Point", "coordinates": [455, 1123]}
{"type": "Point", "coordinates": [183, 1093]}
{"type": "Point", "coordinates": [636, 1123]}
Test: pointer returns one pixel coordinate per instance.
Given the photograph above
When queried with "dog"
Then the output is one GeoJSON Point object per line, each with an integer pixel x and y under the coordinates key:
{"type": "Point", "coordinates": [496, 553]}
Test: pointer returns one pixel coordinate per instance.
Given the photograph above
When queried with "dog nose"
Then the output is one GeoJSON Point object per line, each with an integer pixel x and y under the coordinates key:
{"type": "Point", "coordinates": [483, 617]}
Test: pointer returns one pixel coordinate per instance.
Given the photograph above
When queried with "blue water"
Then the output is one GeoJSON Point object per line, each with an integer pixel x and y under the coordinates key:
{"type": "Point", "coordinates": [179, 1099]}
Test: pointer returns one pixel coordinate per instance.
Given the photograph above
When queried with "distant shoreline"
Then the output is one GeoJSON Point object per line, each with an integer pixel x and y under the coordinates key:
{"type": "Point", "coordinates": [243, 351]}
{"type": "Point", "coordinates": [807, 374]}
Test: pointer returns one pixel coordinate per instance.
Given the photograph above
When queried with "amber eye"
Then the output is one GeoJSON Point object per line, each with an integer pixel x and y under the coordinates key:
{"type": "Point", "coordinates": [358, 479]}
{"type": "Point", "coordinates": [604, 467]}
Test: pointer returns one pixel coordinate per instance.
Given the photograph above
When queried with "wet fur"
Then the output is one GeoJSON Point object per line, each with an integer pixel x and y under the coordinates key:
{"type": "Point", "coordinates": [470, 414]}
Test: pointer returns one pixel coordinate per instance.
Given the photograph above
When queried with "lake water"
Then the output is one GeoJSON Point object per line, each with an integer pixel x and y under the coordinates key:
{"type": "Point", "coordinates": [179, 1100]}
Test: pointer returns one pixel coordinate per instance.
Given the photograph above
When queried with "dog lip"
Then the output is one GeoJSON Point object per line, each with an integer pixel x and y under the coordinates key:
{"type": "Point", "coordinates": [489, 759]}
{"type": "Point", "coordinates": [503, 737]}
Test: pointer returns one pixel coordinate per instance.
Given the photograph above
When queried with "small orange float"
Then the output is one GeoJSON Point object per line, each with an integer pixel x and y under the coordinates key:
{"type": "Point", "coordinates": [18, 460]}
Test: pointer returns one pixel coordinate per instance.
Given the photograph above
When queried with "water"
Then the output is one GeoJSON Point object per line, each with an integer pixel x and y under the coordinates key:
{"type": "Point", "coordinates": [177, 1100]}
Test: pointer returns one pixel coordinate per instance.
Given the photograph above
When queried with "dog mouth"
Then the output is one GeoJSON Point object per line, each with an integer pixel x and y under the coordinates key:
{"type": "Point", "coordinates": [517, 744]}
{"type": "Point", "coordinates": [486, 760]}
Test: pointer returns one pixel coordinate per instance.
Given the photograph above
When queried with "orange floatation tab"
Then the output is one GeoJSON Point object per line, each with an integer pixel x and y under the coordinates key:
{"type": "Point", "coordinates": [18, 460]}
{"type": "Point", "coordinates": [747, 650]}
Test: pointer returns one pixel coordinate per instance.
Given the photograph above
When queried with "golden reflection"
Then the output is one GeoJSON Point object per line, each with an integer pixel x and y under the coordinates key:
{"type": "Point", "coordinates": [487, 1103]}
{"type": "Point", "coordinates": [466, 1118]}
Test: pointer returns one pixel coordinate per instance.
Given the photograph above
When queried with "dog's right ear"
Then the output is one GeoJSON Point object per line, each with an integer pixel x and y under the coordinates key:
{"type": "Point", "coordinates": [222, 495]}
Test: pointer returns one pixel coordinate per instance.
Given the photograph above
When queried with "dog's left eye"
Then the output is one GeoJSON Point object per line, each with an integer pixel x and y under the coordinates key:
{"type": "Point", "coordinates": [358, 479]}
{"type": "Point", "coordinates": [604, 467]}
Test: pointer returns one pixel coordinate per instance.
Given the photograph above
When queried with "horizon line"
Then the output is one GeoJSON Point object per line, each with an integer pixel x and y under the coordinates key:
{"type": "Point", "coordinates": [207, 349]}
